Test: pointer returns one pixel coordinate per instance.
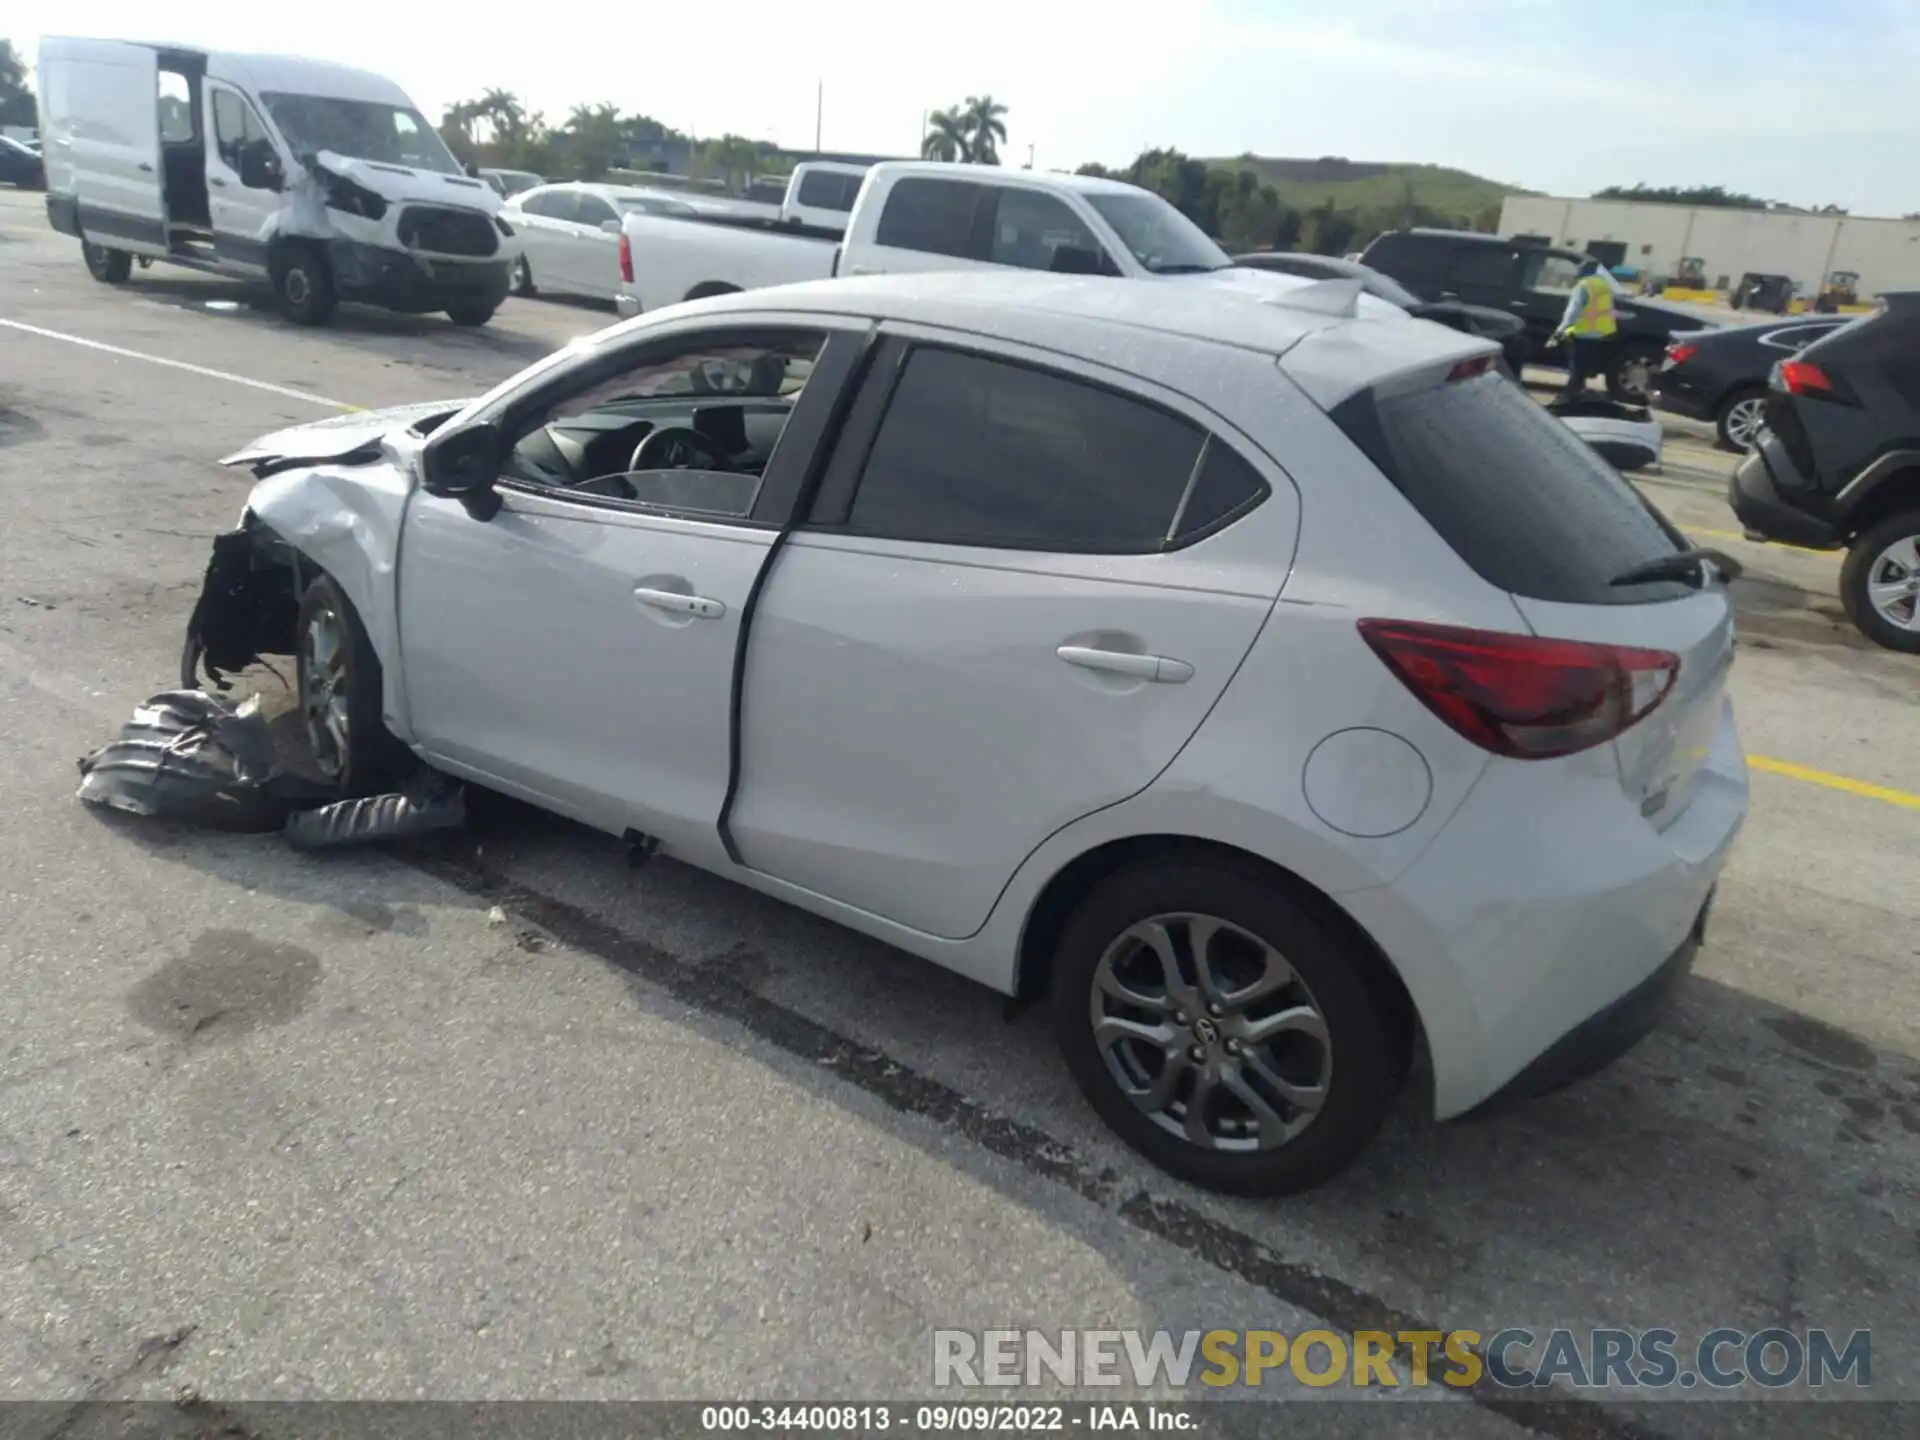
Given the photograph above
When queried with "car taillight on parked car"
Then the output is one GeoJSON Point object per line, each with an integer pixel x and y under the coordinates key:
{"type": "Point", "coordinates": [1799, 377]}
{"type": "Point", "coordinates": [626, 259]}
{"type": "Point", "coordinates": [1519, 695]}
{"type": "Point", "coordinates": [1680, 352]}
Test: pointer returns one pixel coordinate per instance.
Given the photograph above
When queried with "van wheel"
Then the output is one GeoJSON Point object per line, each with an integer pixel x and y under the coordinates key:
{"type": "Point", "coordinates": [339, 685]}
{"type": "Point", "coordinates": [471, 314]}
{"type": "Point", "coordinates": [109, 267]}
{"type": "Point", "coordinates": [303, 285]}
{"type": "Point", "coordinates": [1220, 1029]}
{"type": "Point", "coordinates": [1880, 583]}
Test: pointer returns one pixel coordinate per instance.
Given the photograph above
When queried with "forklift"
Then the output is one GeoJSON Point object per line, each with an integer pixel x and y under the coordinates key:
{"type": "Point", "coordinates": [1842, 288]}
{"type": "Point", "coordinates": [1773, 293]}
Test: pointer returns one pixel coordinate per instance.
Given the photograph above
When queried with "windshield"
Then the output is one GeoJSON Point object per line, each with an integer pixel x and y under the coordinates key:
{"type": "Point", "coordinates": [1163, 240]}
{"type": "Point", "coordinates": [360, 130]}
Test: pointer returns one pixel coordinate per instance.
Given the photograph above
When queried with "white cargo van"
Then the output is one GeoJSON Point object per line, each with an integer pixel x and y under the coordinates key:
{"type": "Point", "coordinates": [325, 180]}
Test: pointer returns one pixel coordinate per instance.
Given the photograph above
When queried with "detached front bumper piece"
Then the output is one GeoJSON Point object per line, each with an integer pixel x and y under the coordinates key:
{"type": "Point", "coordinates": [402, 281]}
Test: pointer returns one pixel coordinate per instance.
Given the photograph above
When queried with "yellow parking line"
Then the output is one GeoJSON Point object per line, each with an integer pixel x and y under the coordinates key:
{"type": "Point", "coordinates": [1736, 535]}
{"type": "Point", "coordinates": [1850, 786]}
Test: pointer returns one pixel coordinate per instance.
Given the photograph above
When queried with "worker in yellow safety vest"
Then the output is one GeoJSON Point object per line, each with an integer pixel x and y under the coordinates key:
{"type": "Point", "coordinates": [1587, 328]}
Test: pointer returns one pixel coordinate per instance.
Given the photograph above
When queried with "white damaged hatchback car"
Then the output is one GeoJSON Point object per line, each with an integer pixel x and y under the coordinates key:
{"type": "Point", "coordinates": [1270, 684]}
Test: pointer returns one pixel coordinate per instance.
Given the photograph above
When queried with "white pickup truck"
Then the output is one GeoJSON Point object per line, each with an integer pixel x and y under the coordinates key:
{"type": "Point", "coordinates": [927, 215]}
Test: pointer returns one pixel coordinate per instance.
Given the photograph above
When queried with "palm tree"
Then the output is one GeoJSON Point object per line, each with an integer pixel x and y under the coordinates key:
{"type": "Point", "coordinates": [986, 131]}
{"type": "Point", "coordinates": [506, 117]}
{"type": "Point", "coordinates": [595, 135]}
{"type": "Point", "coordinates": [946, 137]}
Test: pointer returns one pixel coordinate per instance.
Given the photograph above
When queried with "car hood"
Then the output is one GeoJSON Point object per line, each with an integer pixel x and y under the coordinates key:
{"type": "Point", "coordinates": [341, 435]}
{"type": "Point", "coordinates": [398, 182]}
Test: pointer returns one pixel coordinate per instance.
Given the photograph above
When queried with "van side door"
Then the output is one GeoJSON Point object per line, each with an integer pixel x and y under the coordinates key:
{"type": "Point", "coordinates": [111, 126]}
{"type": "Point", "coordinates": [243, 218]}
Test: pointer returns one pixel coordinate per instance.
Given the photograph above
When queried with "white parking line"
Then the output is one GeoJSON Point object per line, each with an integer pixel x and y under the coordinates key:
{"type": "Point", "coordinates": [211, 374]}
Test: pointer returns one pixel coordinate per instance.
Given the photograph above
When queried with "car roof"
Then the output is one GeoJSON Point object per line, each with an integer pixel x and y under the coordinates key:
{"type": "Point", "coordinates": [1031, 179]}
{"type": "Point", "coordinates": [1331, 355]}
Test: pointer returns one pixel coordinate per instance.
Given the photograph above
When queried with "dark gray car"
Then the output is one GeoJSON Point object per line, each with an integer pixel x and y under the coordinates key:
{"type": "Point", "coordinates": [1507, 331]}
{"type": "Point", "coordinates": [1837, 464]}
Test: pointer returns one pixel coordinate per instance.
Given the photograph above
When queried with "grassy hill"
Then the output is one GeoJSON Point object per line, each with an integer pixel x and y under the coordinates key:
{"type": "Point", "coordinates": [1363, 185]}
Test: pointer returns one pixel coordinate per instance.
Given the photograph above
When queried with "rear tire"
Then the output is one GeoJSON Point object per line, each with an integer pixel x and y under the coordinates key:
{"type": "Point", "coordinates": [1333, 1053]}
{"type": "Point", "coordinates": [339, 688]}
{"type": "Point", "coordinates": [473, 315]}
{"type": "Point", "coordinates": [710, 288]}
{"type": "Point", "coordinates": [1630, 376]}
{"type": "Point", "coordinates": [109, 267]}
{"type": "Point", "coordinates": [523, 279]}
{"type": "Point", "coordinates": [303, 284]}
{"type": "Point", "coordinates": [1880, 565]}
{"type": "Point", "coordinates": [1738, 420]}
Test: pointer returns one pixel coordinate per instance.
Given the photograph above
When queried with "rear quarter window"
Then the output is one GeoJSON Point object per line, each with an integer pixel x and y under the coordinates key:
{"type": "Point", "coordinates": [1521, 498]}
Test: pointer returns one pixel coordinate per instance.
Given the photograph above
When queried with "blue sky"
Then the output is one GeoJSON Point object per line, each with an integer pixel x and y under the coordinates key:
{"type": "Point", "coordinates": [1808, 101]}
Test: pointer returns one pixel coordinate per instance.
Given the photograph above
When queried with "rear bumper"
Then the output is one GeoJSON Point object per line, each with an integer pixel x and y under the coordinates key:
{"type": "Point", "coordinates": [1764, 506]}
{"type": "Point", "coordinates": [397, 280]}
{"type": "Point", "coordinates": [1534, 931]}
{"type": "Point", "coordinates": [1603, 1038]}
{"type": "Point", "coordinates": [1677, 397]}
{"type": "Point", "coordinates": [626, 306]}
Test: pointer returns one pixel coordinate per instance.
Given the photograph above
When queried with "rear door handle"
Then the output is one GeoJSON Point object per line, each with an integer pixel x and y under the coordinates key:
{"type": "Point", "coordinates": [1158, 668]}
{"type": "Point", "coordinates": [675, 603]}
{"type": "Point", "coordinates": [145, 168]}
{"type": "Point", "coordinates": [216, 180]}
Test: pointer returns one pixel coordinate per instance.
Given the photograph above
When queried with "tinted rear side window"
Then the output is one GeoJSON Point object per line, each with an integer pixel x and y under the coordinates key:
{"type": "Point", "coordinates": [1410, 259]}
{"type": "Point", "coordinates": [1519, 496]}
{"type": "Point", "coordinates": [931, 215]}
{"type": "Point", "coordinates": [977, 451]}
{"type": "Point", "coordinates": [824, 190]}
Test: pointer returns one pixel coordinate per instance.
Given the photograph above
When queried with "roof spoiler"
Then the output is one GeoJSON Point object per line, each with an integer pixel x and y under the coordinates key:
{"type": "Point", "coordinates": [1323, 297]}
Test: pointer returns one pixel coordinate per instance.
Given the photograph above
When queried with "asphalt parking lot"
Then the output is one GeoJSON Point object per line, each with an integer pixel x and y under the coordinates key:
{"type": "Point", "coordinates": [503, 1118]}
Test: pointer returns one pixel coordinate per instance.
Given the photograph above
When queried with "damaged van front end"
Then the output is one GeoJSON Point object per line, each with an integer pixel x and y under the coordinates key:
{"type": "Point", "coordinates": [407, 240]}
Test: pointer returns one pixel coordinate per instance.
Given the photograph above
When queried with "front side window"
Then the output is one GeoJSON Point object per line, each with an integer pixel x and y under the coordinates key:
{"type": "Point", "coordinates": [1164, 241]}
{"type": "Point", "coordinates": [1030, 228]}
{"type": "Point", "coordinates": [593, 210]}
{"type": "Point", "coordinates": [980, 451]}
{"type": "Point", "coordinates": [686, 427]}
{"type": "Point", "coordinates": [550, 204]}
{"type": "Point", "coordinates": [360, 130]}
{"type": "Point", "coordinates": [825, 190]}
{"type": "Point", "coordinates": [933, 216]}
{"type": "Point", "coordinates": [1556, 274]}
{"type": "Point", "coordinates": [235, 127]}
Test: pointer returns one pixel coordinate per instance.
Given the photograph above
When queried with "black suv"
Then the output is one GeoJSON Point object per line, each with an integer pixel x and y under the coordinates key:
{"type": "Point", "coordinates": [1533, 282]}
{"type": "Point", "coordinates": [1837, 463]}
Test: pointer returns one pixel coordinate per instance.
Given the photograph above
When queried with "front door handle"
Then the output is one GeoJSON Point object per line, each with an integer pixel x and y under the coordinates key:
{"type": "Point", "coordinates": [145, 167]}
{"type": "Point", "coordinates": [216, 180]}
{"type": "Point", "coordinates": [676, 603]}
{"type": "Point", "coordinates": [1159, 668]}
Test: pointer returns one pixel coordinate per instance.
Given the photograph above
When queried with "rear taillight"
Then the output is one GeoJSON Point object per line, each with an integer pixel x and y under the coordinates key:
{"type": "Point", "coordinates": [1468, 369]}
{"type": "Point", "coordinates": [1798, 377]}
{"type": "Point", "coordinates": [1519, 695]}
{"type": "Point", "coordinates": [626, 259]}
{"type": "Point", "coordinates": [1679, 352]}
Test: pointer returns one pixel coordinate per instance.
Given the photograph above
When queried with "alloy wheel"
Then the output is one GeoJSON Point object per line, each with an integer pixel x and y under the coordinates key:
{"type": "Point", "coordinates": [1893, 584]}
{"type": "Point", "coordinates": [324, 691]}
{"type": "Point", "coordinates": [1210, 1033]}
{"type": "Point", "coordinates": [1744, 419]}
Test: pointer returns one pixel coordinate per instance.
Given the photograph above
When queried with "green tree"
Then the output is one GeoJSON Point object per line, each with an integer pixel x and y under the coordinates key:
{"type": "Point", "coordinates": [16, 95]}
{"type": "Point", "coordinates": [946, 137]}
{"type": "Point", "coordinates": [594, 139]}
{"type": "Point", "coordinates": [733, 158]}
{"type": "Point", "coordinates": [1711, 195]}
{"type": "Point", "coordinates": [456, 128]}
{"type": "Point", "coordinates": [986, 125]}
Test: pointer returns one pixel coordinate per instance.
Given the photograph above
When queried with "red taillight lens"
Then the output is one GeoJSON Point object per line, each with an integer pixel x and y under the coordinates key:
{"type": "Point", "coordinates": [1521, 696]}
{"type": "Point", "coordinates": [1679, 354]}
{"type": "Point", "coordinates": [1797, 377]}
{"type": "Point", "coordinates": [626, 259]}
{"type": "Point", "coordinates": [1467, 369]}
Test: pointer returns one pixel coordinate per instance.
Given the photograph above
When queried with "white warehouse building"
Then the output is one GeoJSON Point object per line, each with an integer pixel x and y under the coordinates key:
{"type": "Point", "coordinates": [1885, 254]}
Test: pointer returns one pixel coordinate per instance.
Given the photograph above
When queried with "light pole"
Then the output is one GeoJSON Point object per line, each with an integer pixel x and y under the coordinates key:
{"type": "Point", "coordinates": [819, 106]}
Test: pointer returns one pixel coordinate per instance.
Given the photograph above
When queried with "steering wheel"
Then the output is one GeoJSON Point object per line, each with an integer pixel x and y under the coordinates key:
{"type": "Point", "coordinates": [677, 447]}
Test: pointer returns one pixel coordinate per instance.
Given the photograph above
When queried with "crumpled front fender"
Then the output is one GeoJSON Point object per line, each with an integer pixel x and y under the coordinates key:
{"type": "Point", "coordinates": [343, 519]}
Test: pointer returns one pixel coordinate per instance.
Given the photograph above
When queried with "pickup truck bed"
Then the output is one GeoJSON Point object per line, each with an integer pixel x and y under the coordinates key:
{"type": "Point", "coordinates": [670, 258]}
